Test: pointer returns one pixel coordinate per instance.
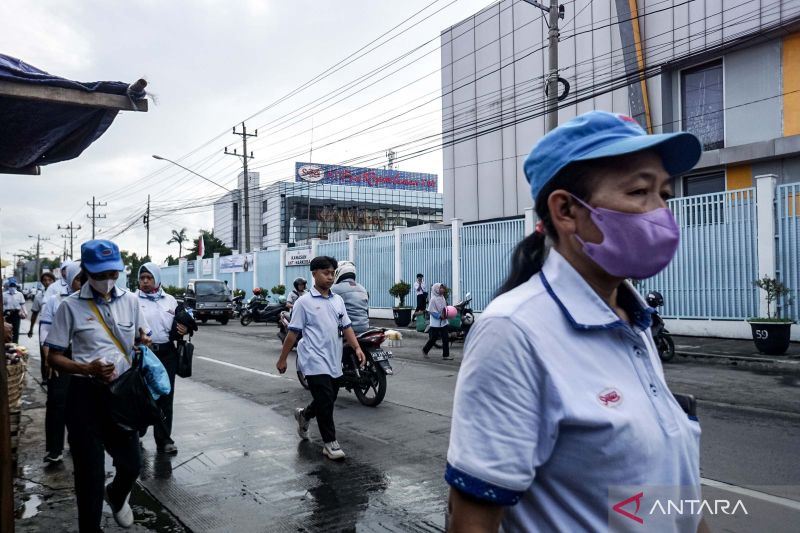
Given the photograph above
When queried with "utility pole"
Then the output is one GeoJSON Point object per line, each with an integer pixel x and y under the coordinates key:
{"type": "Point", "coordinates": [93, 216]}
{"type": "Point", "coordinates": [72, 228]}
{"type": "Point", "coordinates": [39, 239]}
{"type": "Point", "coordinates": [244, 156]}
{"type": "Point", "coordinates": [555, 12]}
{"type": "Point", "coordinates": [146, 220]}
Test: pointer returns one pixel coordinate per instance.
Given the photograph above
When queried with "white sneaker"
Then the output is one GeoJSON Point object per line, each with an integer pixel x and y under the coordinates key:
{"type": "Point", "coordinates": [302, 423]}
{"type": "Point", "coordinates": [333, 451]}
{"type": "Point", "coordinates": [123, 516]}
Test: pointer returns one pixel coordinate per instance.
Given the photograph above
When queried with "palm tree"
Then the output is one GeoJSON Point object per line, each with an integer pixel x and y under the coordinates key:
{"type": "Point", "coordinates": [180, 238]}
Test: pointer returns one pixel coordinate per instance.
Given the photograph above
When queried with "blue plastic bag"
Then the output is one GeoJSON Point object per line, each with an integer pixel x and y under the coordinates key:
{"type": "Point", "coordinates": [155, 375]}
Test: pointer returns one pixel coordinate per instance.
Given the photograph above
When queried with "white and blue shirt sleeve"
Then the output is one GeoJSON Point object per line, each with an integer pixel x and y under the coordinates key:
{"type": "Point", "coordinates": [504, 415]}
{"type": "Point", "coordinates": [298, 320]}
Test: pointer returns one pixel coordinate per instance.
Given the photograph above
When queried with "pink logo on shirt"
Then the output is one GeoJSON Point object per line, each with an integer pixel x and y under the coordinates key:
{"type": "Point", "coordinates": [610, 397]}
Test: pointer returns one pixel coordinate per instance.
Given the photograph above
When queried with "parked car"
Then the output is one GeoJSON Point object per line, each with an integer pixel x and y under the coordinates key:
{"type": "Point", "coordinates": [209, 299]}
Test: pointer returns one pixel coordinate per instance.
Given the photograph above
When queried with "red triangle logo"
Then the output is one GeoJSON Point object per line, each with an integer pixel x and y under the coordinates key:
{"type": "Point", "coordinates": [635, 498]}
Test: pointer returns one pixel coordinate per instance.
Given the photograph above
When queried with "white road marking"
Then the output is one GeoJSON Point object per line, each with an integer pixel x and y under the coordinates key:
{"type": "Point", "coordinates": [245, 368]}
{"type": "Point", "coordinates": [763, 496]}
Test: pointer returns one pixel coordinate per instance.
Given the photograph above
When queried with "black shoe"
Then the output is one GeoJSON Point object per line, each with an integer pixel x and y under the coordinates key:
{"type": "Point", "coordinates": [53, 458]}
{"type": "Point", "coordinates": [168, 449]}
{"type": "Point", "coordinates": [447, 357]}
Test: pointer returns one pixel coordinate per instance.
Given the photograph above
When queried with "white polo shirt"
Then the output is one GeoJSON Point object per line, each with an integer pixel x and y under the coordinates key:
{"type": "Point", "coordinates": [75, 323]}
{"type": "Point", "coordinates": [558, 402]}
{"type": "Point", "coordinates": [319, 319]}
{"type": "Point", "coordinates": [159, 312]}
{"type": "Point", "coordinates": [13, 301]}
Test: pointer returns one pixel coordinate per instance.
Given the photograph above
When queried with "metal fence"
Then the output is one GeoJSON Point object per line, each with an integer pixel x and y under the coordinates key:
{"type": "Point", "coordinates": [338, 249]}
{"type": "Point", "coordinates": [269, 269]}
{"type": "Point", "coordinates": [713, 271]}
{"type": "Point", "coordinates": [787, 213]}
{"type": "Point", "coordinates": [169, 276]}
{"type": "Point", "coordinates": [375, 264]}
{"type": "Point", "coordinates": [429, 253]}
{"type": "Point", "coordinates": [485, 253]}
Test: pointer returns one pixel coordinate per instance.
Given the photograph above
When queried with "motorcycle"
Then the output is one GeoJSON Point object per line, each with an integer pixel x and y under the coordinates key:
{"type": "Point", "coordinates": [664, 343]}
{"type": "Point", "coordinates": [461, 324]}
{"type": "Point", "coordinates": [261, 310]}
{"type": "Point", "coordinates": [283, 328]}
{"type": "Point", "coordinates": [368, 383]}
{"type": "Point", "coordinates": [238, 305]}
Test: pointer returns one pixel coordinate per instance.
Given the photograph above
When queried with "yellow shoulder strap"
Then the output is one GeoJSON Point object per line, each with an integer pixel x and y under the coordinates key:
{"type": "Point", "coordinates": [102, 321]}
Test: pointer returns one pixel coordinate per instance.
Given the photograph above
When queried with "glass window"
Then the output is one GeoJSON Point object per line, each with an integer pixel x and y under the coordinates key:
{"type": "Point", "coordinates": [704, 184]}
{"type": "Point", "coordinates": [702, 104]}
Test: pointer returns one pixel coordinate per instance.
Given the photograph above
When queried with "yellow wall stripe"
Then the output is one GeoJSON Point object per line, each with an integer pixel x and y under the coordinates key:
{"type": "Point", "coordinates": [791, 85]}
{"type": "Point", "coordinates": [738, 177]}
{"type": "Point", "coordinates": [637, 38]}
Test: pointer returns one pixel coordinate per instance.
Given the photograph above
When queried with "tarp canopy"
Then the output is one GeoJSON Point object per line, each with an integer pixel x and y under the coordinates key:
{"type": "Point", "coordinates": [45, 119]}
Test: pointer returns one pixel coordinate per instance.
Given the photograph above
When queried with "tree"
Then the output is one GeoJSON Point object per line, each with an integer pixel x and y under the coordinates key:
{"type": "Point", "coordinates": [170, 261]}
{"type": "Point", "coordinates": [179, 237]}
{"type": "Point", "coordinates": [213, 245]}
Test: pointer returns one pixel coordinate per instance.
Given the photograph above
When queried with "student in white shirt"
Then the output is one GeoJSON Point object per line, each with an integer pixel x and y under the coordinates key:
{"type": "Point", "coordinates": [561, 409]}
{"type": "Point", "coordinates": [13, 307]}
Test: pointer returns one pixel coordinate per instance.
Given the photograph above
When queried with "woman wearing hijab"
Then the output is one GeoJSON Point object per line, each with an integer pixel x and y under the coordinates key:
{"type": "Point", "coordinates": [439, 327]}
{"type": "Point", "coordinates": [158, 309]}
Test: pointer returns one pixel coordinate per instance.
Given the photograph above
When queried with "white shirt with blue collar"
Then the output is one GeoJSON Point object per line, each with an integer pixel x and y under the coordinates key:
{"type": "Point", "coordinates": [76, 324]}
{"type": "Point", "coordinates": [159, 310]}
{"type": "Point", "coordinates": [560, 403]}
{"type": "Point", "coordinates": [320, 319]}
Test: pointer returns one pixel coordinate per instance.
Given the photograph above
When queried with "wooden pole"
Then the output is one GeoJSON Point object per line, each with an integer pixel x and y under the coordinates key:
{"type": "Point", "coordinates": [6, 474]}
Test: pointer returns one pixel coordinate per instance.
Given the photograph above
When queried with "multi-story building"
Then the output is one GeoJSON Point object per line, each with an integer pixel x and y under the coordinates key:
{"type": "Point", "coordinates": [726, 70]}
{"type": "Point", "coordinates": [229, 215]}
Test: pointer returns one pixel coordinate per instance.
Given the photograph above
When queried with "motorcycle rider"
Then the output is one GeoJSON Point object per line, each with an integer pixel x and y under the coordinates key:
{"type": "Point", "coordinates": [297, 292]}
{"type": "Point", "coordinates": [355, 296]}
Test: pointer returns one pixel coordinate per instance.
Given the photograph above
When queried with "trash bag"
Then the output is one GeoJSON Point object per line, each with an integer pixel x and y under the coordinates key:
{"type": "Point", "coordinates": [155, 375]}
{"type": "Point", "coordinates": [132, 405]}
{"type": "Point", "coordinates": [185, 352]}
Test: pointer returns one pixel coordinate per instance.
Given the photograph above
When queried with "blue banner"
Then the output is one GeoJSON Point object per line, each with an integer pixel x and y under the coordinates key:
{"type": "Point", "coordinates": [365, 177]}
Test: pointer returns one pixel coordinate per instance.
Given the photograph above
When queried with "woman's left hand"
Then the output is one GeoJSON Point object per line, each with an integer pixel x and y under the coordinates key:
{"type": "Point", "coordinates": [181, 329]}
{"type": "Point", "coordinates": [143, 338]}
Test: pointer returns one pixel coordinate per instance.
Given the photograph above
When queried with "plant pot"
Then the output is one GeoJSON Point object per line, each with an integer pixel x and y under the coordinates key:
{"type": "Point", "coordinates": [402, 316]}
{"type": "Point", "coordinates": [771, 338]}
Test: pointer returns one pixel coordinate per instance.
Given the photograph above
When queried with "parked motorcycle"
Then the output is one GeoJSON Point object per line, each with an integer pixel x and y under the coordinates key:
{"type": "Point", "coordinates": [368, 383]}
{"type": "Point", "coordinates": [463, 321]}
{"type": "Point", "coordinates": [261, 310]}
{"type": "Point", "coordinates": [238, 305]}
{"type": "Point", "coordinates": [664, 343]}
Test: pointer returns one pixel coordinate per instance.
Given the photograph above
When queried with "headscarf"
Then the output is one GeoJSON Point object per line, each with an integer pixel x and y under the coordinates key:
{"type": "Point", "coordinates": [73, 269]}
{"type": "Point", "coordinates": [155, 271]}
{"type": "Point", "coordinates": [437, 303]}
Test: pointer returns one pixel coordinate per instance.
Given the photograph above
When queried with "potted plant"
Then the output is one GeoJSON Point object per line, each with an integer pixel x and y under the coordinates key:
{"type": "Point", "coordinates": [771, 334]}
{"type": "Point", "coordinates": [402, 314]}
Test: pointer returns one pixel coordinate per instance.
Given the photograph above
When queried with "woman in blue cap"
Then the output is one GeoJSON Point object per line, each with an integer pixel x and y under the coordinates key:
{"type": "Point", "coordinates": [101, 323]}
{"type": "Point", "coordinates": [562, 419]}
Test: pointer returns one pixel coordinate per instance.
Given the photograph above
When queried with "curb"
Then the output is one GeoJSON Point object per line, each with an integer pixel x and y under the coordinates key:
{"type": "Point", "coordinates": [790, 365]}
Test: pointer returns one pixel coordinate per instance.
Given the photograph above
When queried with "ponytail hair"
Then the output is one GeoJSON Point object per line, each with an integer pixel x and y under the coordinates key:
{"type": "Point", "coordinates": [526, 261]}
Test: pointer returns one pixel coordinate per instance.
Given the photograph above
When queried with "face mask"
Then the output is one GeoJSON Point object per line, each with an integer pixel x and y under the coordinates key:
{"type": "Point", "coordinates": [635, 245]}
{"type": "Point", "coordinates": [102, 286]}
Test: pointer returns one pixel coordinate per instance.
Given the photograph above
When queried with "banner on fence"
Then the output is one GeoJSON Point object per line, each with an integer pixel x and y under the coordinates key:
{"type": "Point", "coordinates": [190, 267]}
{"type": "Point", "coordinates": [208, 266]}
{"type": "Point", "coordinates": [298, 257]}
{"type": "Point", "coordinates": [235, 263]}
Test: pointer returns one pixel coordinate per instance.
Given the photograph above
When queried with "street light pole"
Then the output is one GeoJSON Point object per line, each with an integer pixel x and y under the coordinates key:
{"type": "Point", "coordinates": [554, 12]}
{"type": "Point", "coordinates": [160, 158]}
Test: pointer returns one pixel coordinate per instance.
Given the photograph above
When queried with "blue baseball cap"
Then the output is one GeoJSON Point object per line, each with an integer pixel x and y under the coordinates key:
{"type": "Point", "coordinates": [12, 282]}
{"type": "Point", "coordinates": [100, 256]}
{"type": "Point", "coordinates": [599, 134]}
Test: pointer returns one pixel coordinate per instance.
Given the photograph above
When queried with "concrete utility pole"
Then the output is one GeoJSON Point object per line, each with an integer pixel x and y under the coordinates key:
{"type": "Point", "coordinates": [146, 220]}
{"type": "Point", "coordinates": [555, 12]}
{"type": "Point", "coordinates": [244, 135]}
{"type": "Point", "coordinates": [39, 239]}
{"type": "Point", "coordinates": [72, 229]}
{"type": "Point", "coordinates": [93, 216]}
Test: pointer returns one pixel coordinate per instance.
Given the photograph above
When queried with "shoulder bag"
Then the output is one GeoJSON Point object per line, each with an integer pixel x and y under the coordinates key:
{"type": "Point", "coordinates": [185, 352]}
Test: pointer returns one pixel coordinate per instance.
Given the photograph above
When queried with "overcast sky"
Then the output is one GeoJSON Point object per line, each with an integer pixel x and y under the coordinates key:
{"type": "Point", "coordinates": [211, 64]}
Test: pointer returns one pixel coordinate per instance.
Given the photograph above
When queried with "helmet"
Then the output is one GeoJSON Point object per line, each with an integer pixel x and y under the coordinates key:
{"type": "Point", "coordinates": [257, 291]}
{"type": "Point", "coordinates": [654, 299]}
{"type": "Point", "coordinates": [299, 281]}
{"type": "Point", "coordinates": [345, 267]}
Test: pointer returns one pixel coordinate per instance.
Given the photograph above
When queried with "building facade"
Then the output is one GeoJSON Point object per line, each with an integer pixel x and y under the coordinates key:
{"type": "Point", "coordinates": [229, 215]}
{"type": "Point", "coordinates": [326, 199]}
{"type": "Point", "coordinates": [726, 70]}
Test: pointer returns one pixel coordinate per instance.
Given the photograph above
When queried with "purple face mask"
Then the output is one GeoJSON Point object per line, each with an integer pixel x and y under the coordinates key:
{"type": "Point", "coordinates": [635, 245]}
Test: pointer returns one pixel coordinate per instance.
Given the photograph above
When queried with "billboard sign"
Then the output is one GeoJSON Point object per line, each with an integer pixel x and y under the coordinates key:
{"type": "Point", "coordinates": [298, 257]}
{"type": "Point", "coordinates": [190, 267]}
{"type": "Point", "coordinates": [208, 266]}
{"type": "Point", "coordinates": [235, 263]}
{"type": "Point", "coordinates": [365, 177]}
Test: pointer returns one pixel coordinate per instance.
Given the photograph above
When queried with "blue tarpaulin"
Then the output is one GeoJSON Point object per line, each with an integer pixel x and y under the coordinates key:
{"type": "Point", "coordinates": [36, 132]}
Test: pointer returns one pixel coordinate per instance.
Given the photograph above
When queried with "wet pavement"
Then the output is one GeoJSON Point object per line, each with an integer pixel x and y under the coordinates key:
{"type": "Point", "coordinates": [241, 466]}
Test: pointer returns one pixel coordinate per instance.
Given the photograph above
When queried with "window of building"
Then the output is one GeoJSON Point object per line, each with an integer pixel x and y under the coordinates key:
{"type": "Point", "coordinates": [704, 184]}
{"type": "Point", "coordinates": [704, 211]}
{"type": "Point", "coordinates": [702, 104]}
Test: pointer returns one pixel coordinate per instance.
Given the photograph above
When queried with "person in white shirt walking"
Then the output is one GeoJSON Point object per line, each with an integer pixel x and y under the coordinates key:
{"type": "Point", "coordinates": [13, 307]}
{"type": "Point", "coordinates": [37, 307]}
{"type": "Point", "coordinates": [322, 318]}
{"type": "Point", "coordinates": [158, 309]}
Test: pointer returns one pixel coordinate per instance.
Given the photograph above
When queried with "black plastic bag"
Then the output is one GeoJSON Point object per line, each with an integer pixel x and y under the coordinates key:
{"type": "Point", "coordinates": [185, 352]}
{"type": "Point", "coordinates": [132, 406]}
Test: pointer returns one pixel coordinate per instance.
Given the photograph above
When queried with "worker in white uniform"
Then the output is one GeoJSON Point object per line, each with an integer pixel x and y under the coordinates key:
{"type": "Point", "coordinates": [158, 308]}
{"type": "Point", "coordinates": [37, 307]}
{"type": "Point", "coordinates": [57, 382]}
{"type": "Point", "coordinates": [562, 419]}
{"type": "Point", "coordinates": [102, 323]}
{"type": "Point", "coordinates": [13, 306]}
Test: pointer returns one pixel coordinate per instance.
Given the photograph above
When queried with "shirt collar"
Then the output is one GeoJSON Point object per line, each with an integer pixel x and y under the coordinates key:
{"type": "Point", "coordinates": [316, 294]}
{"type": "Point", "coordinates": [581, 305]}
{"type": "Point", "coordinates": [88, 293]}
{"type": "Point", "coordinates": [151, 296]}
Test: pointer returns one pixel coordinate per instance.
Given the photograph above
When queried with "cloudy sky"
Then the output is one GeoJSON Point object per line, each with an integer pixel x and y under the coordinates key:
{"type": "Point", "coordinates": [211, 64]}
